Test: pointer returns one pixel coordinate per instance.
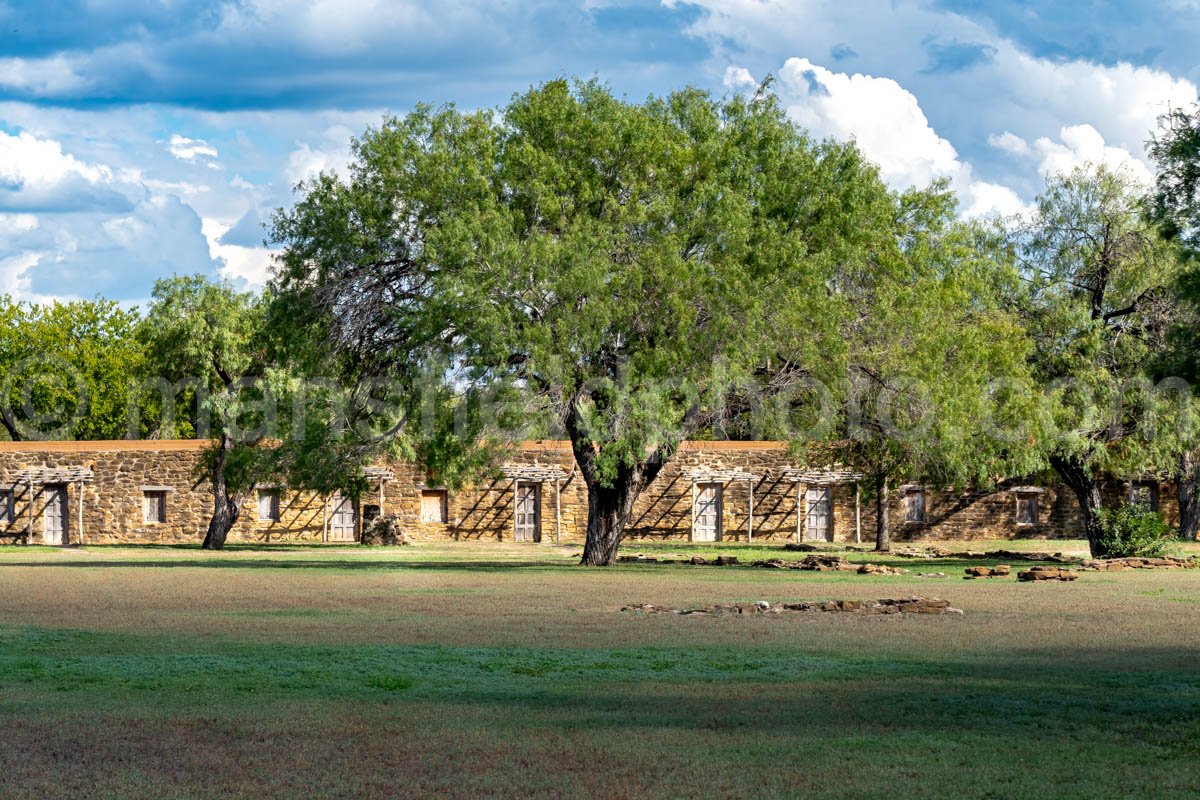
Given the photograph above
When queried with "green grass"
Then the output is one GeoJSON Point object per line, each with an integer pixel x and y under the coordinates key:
{"type": "Point", "coordinates": [505, 671]}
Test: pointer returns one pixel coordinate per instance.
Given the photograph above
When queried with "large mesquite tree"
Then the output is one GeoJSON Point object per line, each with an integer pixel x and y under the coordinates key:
{"type": "Point", "coordinates": [633, 269]}
{"type": "Point", "coordinates": [1175, 205]}
{"type": "Point", "coordinates": [1099, 304]}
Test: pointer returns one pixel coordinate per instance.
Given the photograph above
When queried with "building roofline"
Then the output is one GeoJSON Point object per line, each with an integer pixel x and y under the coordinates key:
{"type": "Point", "coordinates": [146, 445]}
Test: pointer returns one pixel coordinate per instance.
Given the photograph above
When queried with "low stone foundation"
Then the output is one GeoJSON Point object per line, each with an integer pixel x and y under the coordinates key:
{"type": "Point", "coordinates": [1118, 564]}
{"type": "Point", "coordinates": [902, 605]}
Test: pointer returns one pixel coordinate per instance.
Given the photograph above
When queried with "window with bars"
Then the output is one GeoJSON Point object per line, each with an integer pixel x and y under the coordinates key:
{"type": "Point", "coordinates": [1144, 493]}
{"type": "Point", "coordinates": [1027, 508]}
{"type": "Point", "coordinates": [914, 505]}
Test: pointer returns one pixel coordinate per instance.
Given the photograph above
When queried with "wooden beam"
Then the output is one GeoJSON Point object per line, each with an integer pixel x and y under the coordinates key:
{"type": "Point", "coordinates": [516, 505]}
{"type": "Point", "coordinates": [79, 502]}
{"type": "Point", "coordinates": [325, 518]}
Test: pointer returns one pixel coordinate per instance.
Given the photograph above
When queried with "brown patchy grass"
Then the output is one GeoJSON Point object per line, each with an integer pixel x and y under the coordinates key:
{"type": "Point", "coordinates": [499, 670]}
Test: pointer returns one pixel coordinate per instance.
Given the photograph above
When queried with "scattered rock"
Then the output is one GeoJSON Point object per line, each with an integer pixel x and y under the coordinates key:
{"type": "Point", "coordinates": [725, 561]}
{"type": "Point", "coordinates": [640, 558]}
{"type": "Point", "coordinates": [880, 569]}
{"type": "Point", "coordinates": [1047, 574]}
{"type": "Point", "coordinates": [800, 547]}
{"type": "Point", "coordinates": [903, 605]}
{"type": "Point", "coordinates": [931, 574]}
{"type": "Point", "coordinates": [998, 571]}
{"type": "Point", "coordinates": [698, 560]}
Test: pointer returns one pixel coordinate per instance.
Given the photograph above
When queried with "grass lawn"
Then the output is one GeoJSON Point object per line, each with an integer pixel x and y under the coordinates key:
{"type": "Point", "coordinates": [506, 671]}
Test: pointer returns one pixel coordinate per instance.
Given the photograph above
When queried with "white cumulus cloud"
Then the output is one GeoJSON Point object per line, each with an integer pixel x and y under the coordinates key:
{"type": "Point", "coordinates": [186, 149]}
{"type": "Point", "coordinates": [887, 123]}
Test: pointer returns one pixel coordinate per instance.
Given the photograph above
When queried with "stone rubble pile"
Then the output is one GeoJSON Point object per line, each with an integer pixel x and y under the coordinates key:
{"type": "Point", "coordinates": [900, 605]}
{"type": "Point", "coordinates": [813, 563]}
{"type": "Point", "coordinates": [384, 531]}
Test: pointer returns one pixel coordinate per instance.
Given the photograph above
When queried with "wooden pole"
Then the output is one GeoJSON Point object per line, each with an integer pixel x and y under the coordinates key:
{"type": "Point", "coordinates": [29, 527]}
{"type": "Point", "coordinates": [750, 519]}
{"type": "Point", "coordinates": [325, 518]}
{"type": "Point", "coordinates": [692, 530]}
{"type": "Point", "coordinates": [801, 502]}
{"type": "Point", "coordinates": [857, 513]}
{"type": "Point", "coordinates": [516, 505]}
{"type": "Point", "coordinates": [557, 511]}
{"type": "Point", "coordinates": [79, 501]}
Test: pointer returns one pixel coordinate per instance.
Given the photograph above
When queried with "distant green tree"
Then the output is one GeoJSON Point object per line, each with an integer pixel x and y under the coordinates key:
{"type": "Point", "coordinates": [210, 339]}
{"type": "Point", "coordinates": [1099, 304]}
{"type": "Point", "coordinates": [632, 271]}
{"type": "Point", "coordinates": [65, 368]}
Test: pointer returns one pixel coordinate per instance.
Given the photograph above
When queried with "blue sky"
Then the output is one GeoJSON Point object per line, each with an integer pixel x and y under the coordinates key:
{"type": "Point", "coordinates": [141, 138]}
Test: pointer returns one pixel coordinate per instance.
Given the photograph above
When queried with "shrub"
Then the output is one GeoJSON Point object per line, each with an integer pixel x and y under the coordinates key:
{"type": "Point", "coordinates": [1132, 530]}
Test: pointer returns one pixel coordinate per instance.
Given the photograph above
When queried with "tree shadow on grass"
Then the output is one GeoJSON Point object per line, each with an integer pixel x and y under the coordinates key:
{"type": "Point", "coordinates": [335, 565]}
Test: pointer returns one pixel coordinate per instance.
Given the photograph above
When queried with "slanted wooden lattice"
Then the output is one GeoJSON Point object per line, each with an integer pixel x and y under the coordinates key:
{"type": "Point", "coordinates": [51, 475]}
{"type": "Point", "coordinates": [378, 474]}
{"type": "Point", "coordinates": [534, 472]}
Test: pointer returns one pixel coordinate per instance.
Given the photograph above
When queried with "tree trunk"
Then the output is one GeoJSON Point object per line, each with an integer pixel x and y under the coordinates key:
{"type": "Point", "coordinates": [610, 503]}
{"type": "Point", "coordinates": [608, 511]}
{"type": "Point", "coordinates": [1078, 478]}
{"type": "Point", "coordinates": [1188, 482]}
{"type": "Point", "coordinates": [225, 507]}
{"type": "Point", "coordinates": [883, 531]}
{"type": "Point", "coordinates": [10, 425]}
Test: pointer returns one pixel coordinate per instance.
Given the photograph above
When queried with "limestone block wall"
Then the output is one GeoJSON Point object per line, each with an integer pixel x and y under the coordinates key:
{"type": "Point", "coordinates": [112, 503]}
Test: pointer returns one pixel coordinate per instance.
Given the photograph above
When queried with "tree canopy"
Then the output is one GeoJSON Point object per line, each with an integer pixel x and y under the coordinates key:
{"type": "Point", "coordinates": [638, 273]}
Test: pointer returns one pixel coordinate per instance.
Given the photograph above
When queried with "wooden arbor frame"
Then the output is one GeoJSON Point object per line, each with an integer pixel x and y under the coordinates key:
{"type": "Point", "coordinates": [828, 476]}
{"type": "Point", "coordinates": [722, 476]}
{"type": "Point", "coordinates": [538, 473]}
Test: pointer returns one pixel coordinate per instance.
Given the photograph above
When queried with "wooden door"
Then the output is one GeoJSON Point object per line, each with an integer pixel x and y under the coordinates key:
{"type": "Point", "coordinates": [343, 520]}
{"type": "Point", "coordinates": [706, 522]}
{"type": "Point", "coordinates": [56, 516]}
{"type": "Point", "coordinates": [818, 519]}
{"type": "Point", "coordinates": [529, 518]}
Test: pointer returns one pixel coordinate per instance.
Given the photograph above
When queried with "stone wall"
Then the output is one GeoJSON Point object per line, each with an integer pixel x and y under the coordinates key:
{"type": "Point", "coordinates": [112, 502]}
